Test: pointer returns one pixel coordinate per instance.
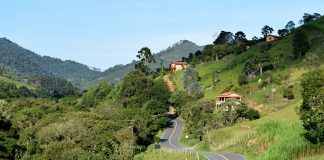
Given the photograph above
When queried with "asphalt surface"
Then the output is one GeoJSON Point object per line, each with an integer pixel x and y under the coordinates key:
{"type": "Point", "coordinates": [170, 140]}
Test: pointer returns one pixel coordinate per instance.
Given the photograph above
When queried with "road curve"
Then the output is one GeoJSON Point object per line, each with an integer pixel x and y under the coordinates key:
{"type": "Point", "coordinates": [170, 140]}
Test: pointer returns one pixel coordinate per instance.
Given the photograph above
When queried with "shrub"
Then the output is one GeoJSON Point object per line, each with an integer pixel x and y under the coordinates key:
{"type": "Point", "coordinates": [288, 93]}
{"type": "Point", "coordinates": [312, 108]}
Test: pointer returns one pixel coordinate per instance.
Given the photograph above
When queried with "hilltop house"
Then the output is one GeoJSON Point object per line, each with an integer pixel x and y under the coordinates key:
{"type": "Point", "coordinates": [271, 38]}
{"type": "Point", "coordinates": [225, 96]}
{"type": "Point", "coordinates": [178, 66]}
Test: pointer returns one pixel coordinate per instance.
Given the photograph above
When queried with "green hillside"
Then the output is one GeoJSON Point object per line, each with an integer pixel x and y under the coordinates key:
{"type": "Point", "coordinates": [29, 63]}
{"type": "Point", "coordinates": [172, 53]}
{"type": "Point", "coordinates": [279, 130]}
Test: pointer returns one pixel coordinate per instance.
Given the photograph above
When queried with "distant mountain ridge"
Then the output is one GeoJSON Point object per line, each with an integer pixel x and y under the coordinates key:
{"type": "Point", "coordinates": [27, 63]}
{"type": "Point", "coordinates": [173, 53]}
{"type": "Point", "coordinates": [30, 63]}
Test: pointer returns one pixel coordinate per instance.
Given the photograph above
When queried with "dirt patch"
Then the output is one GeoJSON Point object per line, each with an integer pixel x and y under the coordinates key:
{"type": "Point", "coordinates": [170, 84]}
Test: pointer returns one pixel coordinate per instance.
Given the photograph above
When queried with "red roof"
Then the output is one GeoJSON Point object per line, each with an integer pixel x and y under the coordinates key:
{"type": "Point", "coordinates": [179, 63]}
{"type": "Point", "coordinates": [229, 95]}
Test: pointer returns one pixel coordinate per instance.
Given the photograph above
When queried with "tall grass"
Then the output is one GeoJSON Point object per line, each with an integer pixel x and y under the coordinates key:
{"type": "Point", "coordinates": [286, 140]}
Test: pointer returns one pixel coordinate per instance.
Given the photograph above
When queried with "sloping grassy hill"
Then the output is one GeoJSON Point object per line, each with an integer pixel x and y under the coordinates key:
{"type": "Point", "coordinates": [277, 135]}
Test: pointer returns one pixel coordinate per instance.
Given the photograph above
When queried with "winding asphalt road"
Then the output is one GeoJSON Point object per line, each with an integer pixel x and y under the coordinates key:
{"type": "Point", "coordinates": [171, 137]}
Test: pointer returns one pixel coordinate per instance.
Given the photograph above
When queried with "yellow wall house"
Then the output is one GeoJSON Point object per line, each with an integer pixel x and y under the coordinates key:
{"type": "Point", "coordinates": [178, 66]}
{"type": "Point", "coordinates": [271, 38]}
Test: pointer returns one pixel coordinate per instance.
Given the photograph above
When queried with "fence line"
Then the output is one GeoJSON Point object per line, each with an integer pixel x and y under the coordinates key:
{"type": "Point", "coordinates": [241, 139]}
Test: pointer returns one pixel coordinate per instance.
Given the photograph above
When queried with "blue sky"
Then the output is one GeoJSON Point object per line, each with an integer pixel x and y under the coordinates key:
{"type": "Point", "coordinates": [103, 33]}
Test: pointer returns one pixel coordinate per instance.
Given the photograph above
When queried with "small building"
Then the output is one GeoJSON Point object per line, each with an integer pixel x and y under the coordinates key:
{"type": "Point", "coordinates": [222, 98]}
{"type": "Point", "coordinates": [271, 38]}
{"type": "Point", "coordinates": [178, 66]}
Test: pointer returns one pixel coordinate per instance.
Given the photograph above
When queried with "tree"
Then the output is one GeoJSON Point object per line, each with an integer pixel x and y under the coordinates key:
{"type": "Point", "coordinates": [195, 91]}
{"type": "Point", "coordinates": [316, 16]}
{"type": "Point", "coordinates": [312, 108]}
{"type": "Point", "coordinates": [7, 139]}
{"type": "Point", "coordinates": [300, 43]}
{"type": "Point", "coordinates": [189, 76]}
{"type": "Point", "coordinates": [308, 18]}
{"type": "Point", "coordinates": [243, 79]}
{"type": "Point", "coordinates": [224, 37]}
{"type": "Point", "coordinates": [255, 38]}
{"type": "Point", "coordinates": [145, 56]}
{"type": "Point", "coordinates": [290, 26]}
{"type": "Point", "coordinates": [266, 30]}
{"type": "Point", "coordinates": [240, 36]}
{"type": "Point", "coordinates": [283, 32]}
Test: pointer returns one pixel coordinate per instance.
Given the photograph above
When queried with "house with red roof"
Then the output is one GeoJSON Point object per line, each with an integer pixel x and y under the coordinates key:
{"type": "Point", "coordinates": [222, 98]}
{"type": "Point", "coordinates": [178, 66]}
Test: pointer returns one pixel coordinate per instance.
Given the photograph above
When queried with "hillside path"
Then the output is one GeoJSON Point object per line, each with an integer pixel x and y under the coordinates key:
{"type": "Point", "coordinates": [170, 140]}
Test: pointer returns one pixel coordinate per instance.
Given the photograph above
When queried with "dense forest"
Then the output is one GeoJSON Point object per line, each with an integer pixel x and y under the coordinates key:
{"type": "Point", "coordinates": [28, 63]}
{"type": "Point", "coordinates": [52, 121]}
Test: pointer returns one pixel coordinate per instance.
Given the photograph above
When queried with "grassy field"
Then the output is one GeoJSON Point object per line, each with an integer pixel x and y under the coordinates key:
{"type": "Point", "coordinates": [276, 136]}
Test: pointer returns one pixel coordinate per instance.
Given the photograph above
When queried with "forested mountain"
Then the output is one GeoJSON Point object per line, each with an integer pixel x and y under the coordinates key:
{"type": "Point", "coordinates": [29, 63]}
{"type": "Point", "coordinates": [24, 62]}
{"type": "Point", "coordinates": [172, 53]}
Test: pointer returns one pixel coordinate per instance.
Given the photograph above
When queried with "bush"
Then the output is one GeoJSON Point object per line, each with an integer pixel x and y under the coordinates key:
{"type": "Point", "coordinates": [288, 93]}
{"type": "Point", "coordinates": [312, 108]}
{"type": "Point", "coordinates": [195, 91]}
{"type": "Point", "coordinates": [243, 79]}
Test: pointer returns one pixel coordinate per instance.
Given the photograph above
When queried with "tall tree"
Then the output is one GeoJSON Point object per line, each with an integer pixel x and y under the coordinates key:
{"type": "Point", "coordinates": [266, 30]}
{"type": "Point", "coordinates": [224, 37]}
{"type": "Point", "coordinates": [145, 56]}
{"type": "Point", "coordinates": [312, 109]}
{"type": "Point", "coordinates": [300, 43]}
{"type": "Point", "coordinates": [309, 17]}
{"type": "Point", "coordinates": [283, 32]}
{"type": "Point", "coordinates": [290, 26]}
{"type": "Point", "coordinates": [239, 36]}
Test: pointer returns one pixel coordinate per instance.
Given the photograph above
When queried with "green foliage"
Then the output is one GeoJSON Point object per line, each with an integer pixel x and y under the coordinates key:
{"type": "Point", "coordinates": [307, 18]}
{"type": "Point", "coordinates": [300, 43]}
{"type": "Point", "coordinates": [189, 76]}
{"type": "Point", "coordinates": [94, 96]}
{"type": "Point", "coordinates": [224, 37]}
{"type": "Point", "coordinates": [233, 110]}
{"type": "Point", "coordinates": [179, 98]}
{"type": "Point", "coordinates": [266, 30]}
{"type": "Point", "coordinates": [10, 90]}
{"type": "Point", "coordinates": [243, 79]}
{"type": "Point", "coordinates": [145, 58]}
{"type": "Point", "coordinates": [199, 117]}
{"type": "Point", "coordinates": [53, 87]}
{"type": "Point", "coordinates": [25, 63]}
{"type": "Point", "coordinates": [312, 109]}
{"type": "Point", "coordinates": [190, 81]}
{"type": "Point", "coordinates": [290, 26]}
{"type": "Point", "coordinates": [258, 64]}
{"type": "Point", "coordinates": [288, 93]}
{"type": "Point", "coordinates": [8, 139]}
{"type": "Point", "coordinates": [283, 32]}
{"type": "Point", "coordinates": [134, 84]}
